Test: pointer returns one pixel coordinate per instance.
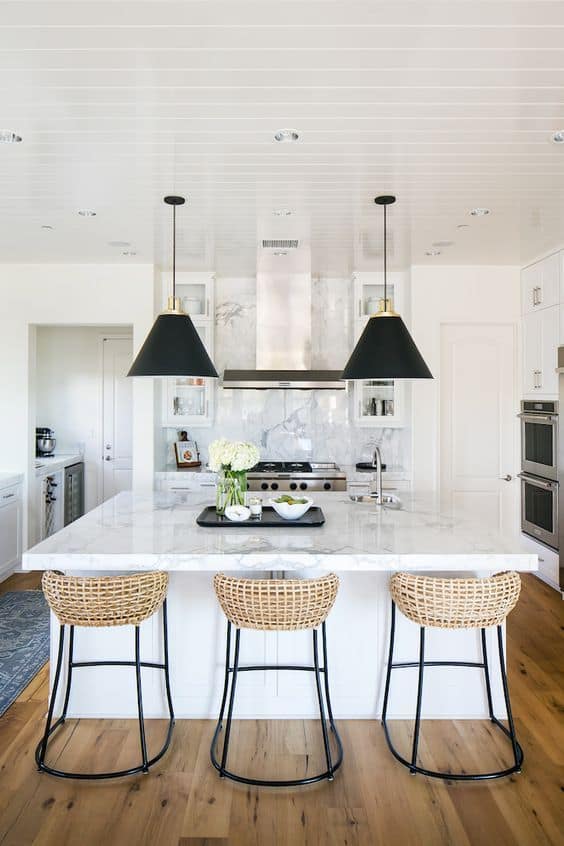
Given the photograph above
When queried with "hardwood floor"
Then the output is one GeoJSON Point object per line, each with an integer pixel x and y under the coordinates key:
{"type": "Point", "coordinates": [372, 801]}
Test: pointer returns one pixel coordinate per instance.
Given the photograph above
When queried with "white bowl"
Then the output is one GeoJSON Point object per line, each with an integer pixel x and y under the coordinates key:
{"type": "Point", "coordinates": [237, 513]}
{"type": "Point", "coordinates": [291, 512]}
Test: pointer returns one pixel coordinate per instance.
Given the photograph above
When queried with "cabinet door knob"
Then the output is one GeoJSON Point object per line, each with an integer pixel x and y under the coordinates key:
{"type": "Point", "coordinates": [108, 458]}
{"type": "Point", "coordinates": [507, 477]}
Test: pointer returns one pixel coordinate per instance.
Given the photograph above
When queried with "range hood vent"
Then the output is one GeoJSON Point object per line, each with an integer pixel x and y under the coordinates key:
{"type": "Point", "coordinates": [283, 358]}
{"type": "Point", "coordinates": [280, 244]}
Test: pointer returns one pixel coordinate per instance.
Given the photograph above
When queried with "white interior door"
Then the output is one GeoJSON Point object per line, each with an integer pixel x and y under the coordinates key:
{"type": "Point", "coordinates": [117, 417]}
{"type": "Point", "coordinates": [478, 433]}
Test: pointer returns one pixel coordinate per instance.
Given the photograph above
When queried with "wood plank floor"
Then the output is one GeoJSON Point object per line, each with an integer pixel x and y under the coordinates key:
{"type": "Point", "coordinates": [372, 801]}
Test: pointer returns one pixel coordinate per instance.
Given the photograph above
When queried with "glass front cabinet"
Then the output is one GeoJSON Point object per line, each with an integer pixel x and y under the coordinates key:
{"type": "Point", "coordinates": [377, 402]}
{"type": "Point", "coordinates": [189, 401]}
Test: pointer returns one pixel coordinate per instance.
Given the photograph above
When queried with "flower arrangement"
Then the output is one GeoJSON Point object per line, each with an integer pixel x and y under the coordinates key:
{"type": "Point", "coordinates": [232, 455]}
{"type": "Point", "coordinates": [231, 460]}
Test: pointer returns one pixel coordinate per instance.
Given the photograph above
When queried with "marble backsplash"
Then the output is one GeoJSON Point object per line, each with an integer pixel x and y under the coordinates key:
{"type": "Point", "coordinates": [301, 425]}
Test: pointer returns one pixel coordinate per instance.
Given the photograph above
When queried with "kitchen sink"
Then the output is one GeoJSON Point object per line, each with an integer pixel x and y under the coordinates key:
{"type": "Point", "coordinates": [388, 500]}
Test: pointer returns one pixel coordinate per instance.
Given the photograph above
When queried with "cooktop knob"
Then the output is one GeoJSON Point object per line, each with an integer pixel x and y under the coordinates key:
{"type": "Point", "coordinates": [264, 486]}
{"type": "Point", "coordinates": [303, 486]}
{"type": "Point", "coordinates": [274, 486]}
{"type": "Point", "coordinates": [327, 486]}
{"type": "Point", "coordinates": [293, 486]}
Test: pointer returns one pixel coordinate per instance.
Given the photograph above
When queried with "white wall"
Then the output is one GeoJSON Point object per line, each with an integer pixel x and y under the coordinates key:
{"type": "Point", "coordinates": [453, 294]}
{"type": "Point", "coordinates": [69, 393]}
{"type": "Point", "coordinates": [68, 294]}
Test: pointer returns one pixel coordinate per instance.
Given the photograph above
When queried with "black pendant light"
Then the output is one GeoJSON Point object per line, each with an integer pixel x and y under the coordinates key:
{"type": "Point", "coordinates": [386, 350]}
{"type": "Point", "coordinates": [173, 346]}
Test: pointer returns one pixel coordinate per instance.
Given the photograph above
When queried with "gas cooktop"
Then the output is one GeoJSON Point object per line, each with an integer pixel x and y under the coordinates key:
{"type": "Point", "coordinates": [296, 475]}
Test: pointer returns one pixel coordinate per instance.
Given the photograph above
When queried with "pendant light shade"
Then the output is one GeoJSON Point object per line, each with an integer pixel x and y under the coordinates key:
{"type": "Point", "coordinates": [173, 346]}
{"type": "Point", "coordinates": [386, 350]}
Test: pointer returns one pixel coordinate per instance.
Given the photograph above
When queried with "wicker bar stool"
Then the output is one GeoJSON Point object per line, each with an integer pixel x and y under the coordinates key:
{"type": "Point", "coordinates": [94, 603]}
{"type": "Point", "coordinates": [276, 605]}
{"type": "Point", "coordinates": [454, 604]}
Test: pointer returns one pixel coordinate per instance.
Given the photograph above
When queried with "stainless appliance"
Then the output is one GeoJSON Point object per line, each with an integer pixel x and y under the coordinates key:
{"type": "Point", "coordinates": [296, 476]}
{"type": "Point", "coordinates": [45, 441]}
{"type": "Point", "coordinates": [539, 509]}
{"type": "Point", "coordinates": [74, 492]}
{"type": "Point", "coordinates": [539, 438]}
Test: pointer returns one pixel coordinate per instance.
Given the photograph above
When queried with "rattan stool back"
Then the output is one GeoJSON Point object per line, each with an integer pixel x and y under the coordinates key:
{"type": "Point", "coordinates": [106, 600]}
{"type": "Point", "coordinates": [455, 603]}
{"type": "Point", "coordinates": [276, 604]}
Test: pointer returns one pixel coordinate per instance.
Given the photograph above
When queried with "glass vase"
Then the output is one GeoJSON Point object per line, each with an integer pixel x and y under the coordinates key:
{"type": "Point", "coordinates": [231, 489]}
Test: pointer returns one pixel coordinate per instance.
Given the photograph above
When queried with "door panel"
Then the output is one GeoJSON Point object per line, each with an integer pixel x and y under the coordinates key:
{"type": "Point", "coordinates": [478, 422]}
{"type": "Point", "coordinates": [117, 419]}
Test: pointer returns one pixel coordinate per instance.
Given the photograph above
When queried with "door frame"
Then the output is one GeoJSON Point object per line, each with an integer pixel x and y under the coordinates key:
{"type": "Point", "coordinates": [516, 383]}
{"type": "Point", "coordinates": [112, 336]}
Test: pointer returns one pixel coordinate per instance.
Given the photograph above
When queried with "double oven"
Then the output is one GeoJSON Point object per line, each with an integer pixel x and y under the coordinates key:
{"type": "Point", "coordinates": [539, 470]}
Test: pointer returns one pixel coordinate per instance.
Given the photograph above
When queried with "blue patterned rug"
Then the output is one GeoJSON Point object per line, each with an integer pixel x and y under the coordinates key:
{"type": "Point", "coordinates": [24, 641]}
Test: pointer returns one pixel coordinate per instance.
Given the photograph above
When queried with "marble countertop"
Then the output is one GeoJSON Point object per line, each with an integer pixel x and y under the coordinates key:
{"type": "Point", "coordinates": [8, 479]}
{"type": "Point", "coordinates": [155, 531]}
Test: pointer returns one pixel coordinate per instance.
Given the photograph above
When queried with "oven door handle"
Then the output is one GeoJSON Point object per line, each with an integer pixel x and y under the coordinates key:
{"type": "Point", "coordinates": [540, 483]}
{"type": "Point", "coordinates": [536, 418]}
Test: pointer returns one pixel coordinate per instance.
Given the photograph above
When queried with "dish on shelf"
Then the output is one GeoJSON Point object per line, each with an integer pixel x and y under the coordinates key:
{"type": "Point", "coordinates": [291, 508]}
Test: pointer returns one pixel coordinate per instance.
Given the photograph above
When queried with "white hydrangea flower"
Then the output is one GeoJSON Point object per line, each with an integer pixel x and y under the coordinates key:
{"type": "Point", "coordinates": [232, 455]}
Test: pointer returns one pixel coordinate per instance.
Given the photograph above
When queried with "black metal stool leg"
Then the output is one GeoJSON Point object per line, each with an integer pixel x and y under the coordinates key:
{"type": "Point", "coordinates": [419, 700]}
{"type": "Point", "coordinates": [321, 707]}
{"type": "Point", "coordinates": [390, 660]}
{"type": "Point", "coordinates": [166, 664]}
{"type": "Point", "coordinates": [42, 748]}
{"type": "Point", "coordinates": [517, 752]}
{"type": "Point", "coordinates": [231, 703]}
{"type": "Point", "coordinates": [140, 702]}
{"type": "Point", "coordinates": [487, 675]}
{"type": "Point", "coordinates": [69, 674]}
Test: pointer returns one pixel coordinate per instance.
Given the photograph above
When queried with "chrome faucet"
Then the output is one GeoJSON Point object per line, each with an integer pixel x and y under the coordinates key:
{"type": "Point", "coordinates": [377, 464]}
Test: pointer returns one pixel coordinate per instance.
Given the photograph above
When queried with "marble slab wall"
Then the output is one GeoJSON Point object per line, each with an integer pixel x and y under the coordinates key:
{"type": "Point", "coordinates": [315, 425]}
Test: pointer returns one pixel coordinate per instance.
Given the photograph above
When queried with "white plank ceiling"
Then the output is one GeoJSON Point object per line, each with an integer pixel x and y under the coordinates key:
{"type": "Point", "coordinates": [448, 105]}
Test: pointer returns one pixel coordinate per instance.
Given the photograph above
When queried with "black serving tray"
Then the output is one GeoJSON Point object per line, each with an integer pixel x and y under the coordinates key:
{"type": "Point", "coordinates": [270, 519]}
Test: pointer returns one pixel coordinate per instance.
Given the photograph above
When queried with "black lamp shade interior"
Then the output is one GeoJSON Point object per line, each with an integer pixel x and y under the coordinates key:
{"type": "Point", "coordinates": [386, 350]}
{"type": "Point", "coordinates": [173, 348]}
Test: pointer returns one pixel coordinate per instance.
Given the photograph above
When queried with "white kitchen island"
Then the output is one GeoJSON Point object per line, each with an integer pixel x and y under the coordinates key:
{"type": "Point", "coordinates": [362, 543]}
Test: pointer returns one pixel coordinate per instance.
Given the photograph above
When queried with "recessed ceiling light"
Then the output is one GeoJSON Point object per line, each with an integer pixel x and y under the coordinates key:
{"type": "Point", "coordinates": [432, 252]}
{"type": "Point", "coordinates": [463, 226]}
{"type": "Point", "coordinates": [7, 137]}
{"type": "Point", "coordinates": [129, 253]}
{"type": "Point", "coordinates": [443, 243]}
{"type": "Point", "coordinates": [121, 244]}
{"type": "Point", "coordinates": [558, 137]}
{"type": "Point", "coordinates": [87, 213]}
{"type": "Point", "coordinates": [46, 226]}
{"type": "Point", "coordinates": [479, 212]}
{"type": "Point", "coordinates": [282, 212]}
{"type": "Point", "coordinates": [280, 253]}
{"type": "Point", "coordinates": [286, 135]}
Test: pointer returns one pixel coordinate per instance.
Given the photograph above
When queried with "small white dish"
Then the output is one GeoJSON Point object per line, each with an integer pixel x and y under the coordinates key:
{"type": "Point", "coordinates": [292, 512]}
{"type": "Point", "coordinates": [237, 513]}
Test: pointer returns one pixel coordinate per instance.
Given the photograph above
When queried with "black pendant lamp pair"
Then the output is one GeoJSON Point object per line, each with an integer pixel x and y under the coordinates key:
{"type": "Point", "coordinates": [386, 350]}
{"type": "Point", "coordinates": [173, 346]}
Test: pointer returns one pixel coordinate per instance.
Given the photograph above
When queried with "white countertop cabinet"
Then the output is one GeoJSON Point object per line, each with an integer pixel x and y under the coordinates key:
{"type": "Point", "coordinates": [541, 294]}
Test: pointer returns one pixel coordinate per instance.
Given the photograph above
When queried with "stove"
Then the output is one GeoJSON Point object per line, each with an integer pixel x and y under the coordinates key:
{"type": "Point", "coordinates": [296, 476]}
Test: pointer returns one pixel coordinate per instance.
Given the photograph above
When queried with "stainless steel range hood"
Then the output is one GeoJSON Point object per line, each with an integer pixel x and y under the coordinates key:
{"type": "Point", "coordinates": [283, 358]}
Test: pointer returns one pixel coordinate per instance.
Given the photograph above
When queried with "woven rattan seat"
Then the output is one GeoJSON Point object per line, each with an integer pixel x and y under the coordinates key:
{"type": "Point", "coordinates": [104, 601]}
{"type": "Point", "coordinates": [455, 603]}
{"type": "Point", "coordinates": [276, 604]}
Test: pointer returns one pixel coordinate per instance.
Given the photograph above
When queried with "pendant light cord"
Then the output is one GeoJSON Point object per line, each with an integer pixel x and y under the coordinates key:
{"type": "Point", "coordinates": [385, 264]}
{"type": "Point", "coordinates": [174, 252]}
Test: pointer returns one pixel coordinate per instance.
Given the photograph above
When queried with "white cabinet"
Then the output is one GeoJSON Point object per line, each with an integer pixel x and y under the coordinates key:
{"type": "Point", "coordinates": [188, 402]}
{"type": "Point", "coordinates": [376, 402]}
{"type": "Point", "coordinates": [540, 344]}
{"type": "Point", "coordinates": [10, 529]}
{"type": "Point", "coordinates": [540, 284]}
{"type": "Point", "coordinates": [549, 562]}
